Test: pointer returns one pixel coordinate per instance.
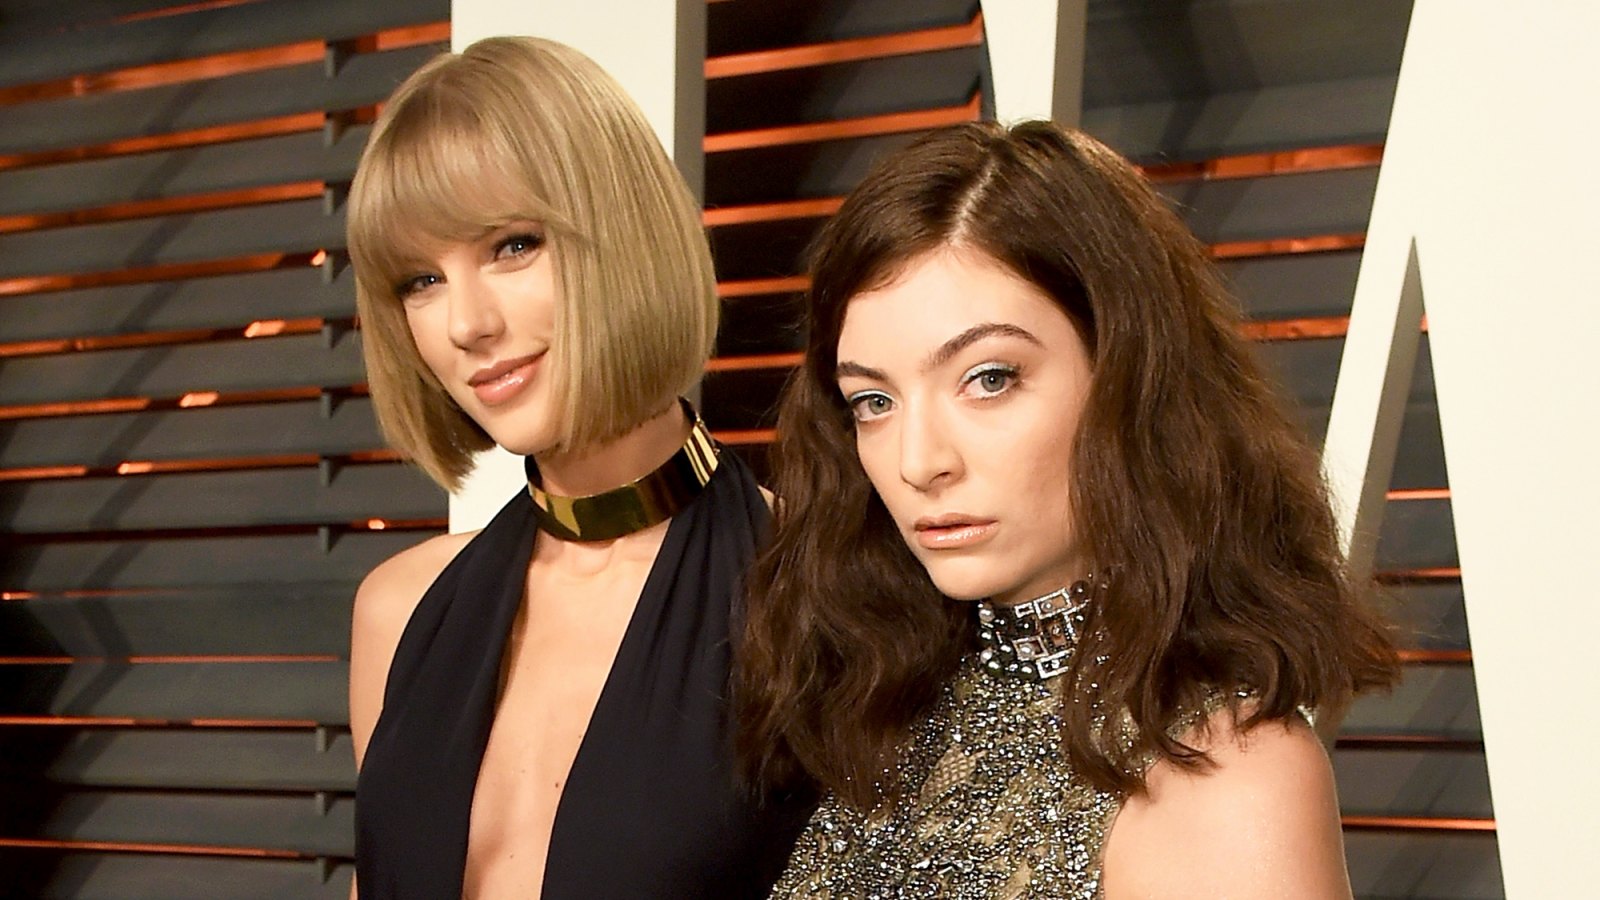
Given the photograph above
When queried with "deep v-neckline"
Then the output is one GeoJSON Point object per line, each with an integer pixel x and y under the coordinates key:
{"type": "Point", "coordinates": [652, 777]}
{"type": "Point", "coordinates": [646, 609]}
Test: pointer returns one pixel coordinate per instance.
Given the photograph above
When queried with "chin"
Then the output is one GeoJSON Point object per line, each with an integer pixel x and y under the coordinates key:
{"type": "Point", "coordinates": [519, 441]}
{"type": "Point", "coordinates": [523, 432]}
{"type": "Point", "coordinates": [965, 580]}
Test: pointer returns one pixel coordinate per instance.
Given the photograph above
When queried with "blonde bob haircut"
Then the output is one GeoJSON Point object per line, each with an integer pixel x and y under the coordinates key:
{"type": "Point", "coordinates": [519, 128]}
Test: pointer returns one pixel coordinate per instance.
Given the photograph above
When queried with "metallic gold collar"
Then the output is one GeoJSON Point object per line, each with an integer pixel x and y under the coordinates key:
{"type": "Point", "coordinates": [656, 497]}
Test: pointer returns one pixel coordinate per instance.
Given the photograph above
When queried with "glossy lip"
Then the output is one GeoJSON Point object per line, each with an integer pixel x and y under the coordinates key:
{"type": "Point", "coordinates": [953, 531]}
{"type": "Point", "coordinates": [503, 381]}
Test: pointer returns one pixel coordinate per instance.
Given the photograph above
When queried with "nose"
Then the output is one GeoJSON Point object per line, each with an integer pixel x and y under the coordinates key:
{"type": "Point", "coordinates": [929, 458]}
{"type": "Point", "coordinates": [475, 316]}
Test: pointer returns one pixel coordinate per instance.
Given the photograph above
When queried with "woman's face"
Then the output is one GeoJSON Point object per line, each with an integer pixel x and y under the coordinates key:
{"type": "Point", "coordinates": [482, 313]}
{"type": "Point", "coordinates": [967, 383]}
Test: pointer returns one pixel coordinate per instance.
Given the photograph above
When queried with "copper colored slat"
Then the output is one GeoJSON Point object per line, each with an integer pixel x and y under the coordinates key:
{"type": "Point", "coordinates": [219, 65]}
{"type": "Point", "coordinates": [1419, 742]}
{"type": "Point", "coordinates": [1419, 576]}
{"type": "Point", "coordinates": [224, 531]}
{"type": "Point", "coordinates": [218, 134]}
{"type": "Point", "coordinates": [396, 524]}
{"type": "Point", "coordinates": [1416, 656]}
{"type": "Point", "coordinates": [77, 408]}
{"type": "Point", "coordinates": [735, 437]}
{"type": "Point", "coordinates": [1297, 329]}
{"type": "Point", "coordinates": [250, 723]}
{"type": "Point", "coordinates": [79, 593]}
{"type": "Point", "coordinates": [759, 361]}
{"type": "Point", "coordinates": [258, 329]}
{"type": "Point", "coordinates": [162, 849]}
{"type": "Point", "coordinates": [134, 722]}
{"type": "Point", "coordinates": [185, 9]}
{"type": "Point", "coordinates": [191, 400]}
{"type": "Point", "coordinates": [756, 287]}
{"type": "Point", "coordinates": [405, 36]}
{"type": "Point", "coordinates": [772, 212]}
{"type": "Point", "coordinates": [1405, 494]}
{"type": "Point", "coordinates": [261, 262]}
{"type": "Point", "coordinates": [1253, 165]}
{"type": "Point", "coordinates": [866, 126]}
{"type": "Point", "coordinates": [929, 39]}
{"type": "Point", "coordinates": [166, 206]}
{"type": "Point", "coordinates": [169, 660]}
{"type": "Point", "coordinates": [42, 473]}
{"type": "Point", "coordinates": [165, 73]}
{"type": "Point", "coordinates": [1301, 329]}
{"type": "Point", "coordinates": [1287, 246]}
{"type": "Point", "coordinates": [1415, 823]}
{"type": "Point", "coordinates": [132, 468]}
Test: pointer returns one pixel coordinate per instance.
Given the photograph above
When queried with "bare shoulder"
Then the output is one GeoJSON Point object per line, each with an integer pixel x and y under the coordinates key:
{"type": "Point", "coordinates": [770, 497]}
{"type": "Point", "coordinates": [1261, 821]}
{"type": "Point", "coordinates": [383, 605]}
{"type": "Point", "coordinates": [395, 585]}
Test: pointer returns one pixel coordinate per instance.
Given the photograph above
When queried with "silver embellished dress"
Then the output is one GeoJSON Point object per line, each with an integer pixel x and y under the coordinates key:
{"type": "Point", "coordinates": [992, 809]}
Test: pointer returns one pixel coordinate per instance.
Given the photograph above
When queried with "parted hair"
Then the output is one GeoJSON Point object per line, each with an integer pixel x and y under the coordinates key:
{"type": "Point", "coordinates": [1191, 488]}
{"type": "Point", "coordinates": [521, 128]}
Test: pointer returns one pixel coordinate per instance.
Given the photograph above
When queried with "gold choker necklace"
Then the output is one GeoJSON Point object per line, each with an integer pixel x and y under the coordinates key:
{"type": "Point", "coordinates": [656, 497]}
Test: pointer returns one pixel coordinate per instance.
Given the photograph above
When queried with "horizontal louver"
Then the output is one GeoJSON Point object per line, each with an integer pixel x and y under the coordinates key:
{"type": "Point", "coordinates": [191, 482]}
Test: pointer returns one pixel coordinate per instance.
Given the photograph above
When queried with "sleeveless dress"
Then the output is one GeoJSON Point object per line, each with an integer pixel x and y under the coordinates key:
{"type": "Point", "coordinates": [652, 807]}
{"type": "Point", "coordinates": [993, 810]}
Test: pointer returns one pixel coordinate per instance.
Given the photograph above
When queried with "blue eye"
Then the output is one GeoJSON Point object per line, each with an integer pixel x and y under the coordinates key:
{"type": "Point", "coordinates": [416, 284]}
{"type": "Point", "coordinates": [989, 379]}
{"type": "Point", "coordinates": [869, 405]}
{"type": "Point", "coordinates": [518, 245]}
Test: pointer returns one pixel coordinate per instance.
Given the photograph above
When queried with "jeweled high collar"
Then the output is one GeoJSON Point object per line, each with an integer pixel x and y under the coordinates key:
{"type": "Point", "coordinates": [1035, 638]}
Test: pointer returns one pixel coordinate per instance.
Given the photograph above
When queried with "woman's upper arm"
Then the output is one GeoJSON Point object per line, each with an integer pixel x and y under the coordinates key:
{"type": "Point", "coordinates": [1263, 822]}
{"type": "Point", "coordinates": [383, 606]}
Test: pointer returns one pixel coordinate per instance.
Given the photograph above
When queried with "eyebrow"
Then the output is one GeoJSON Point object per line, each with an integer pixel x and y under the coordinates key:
{"type": "Point", "coordinates": [945, 351]}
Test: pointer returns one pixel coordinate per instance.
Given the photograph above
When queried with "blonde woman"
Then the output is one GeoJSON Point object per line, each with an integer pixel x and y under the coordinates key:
{"type": "Point", "coordinates": [537, 707]}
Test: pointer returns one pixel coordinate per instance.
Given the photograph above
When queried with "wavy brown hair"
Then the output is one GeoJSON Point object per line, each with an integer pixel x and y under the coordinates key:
{"type": "Point", "coordinates": [1191, 487]}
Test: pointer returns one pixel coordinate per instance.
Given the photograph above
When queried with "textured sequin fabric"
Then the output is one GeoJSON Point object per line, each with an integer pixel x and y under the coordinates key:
{"type": "Point", "coordinates": [992, 812]}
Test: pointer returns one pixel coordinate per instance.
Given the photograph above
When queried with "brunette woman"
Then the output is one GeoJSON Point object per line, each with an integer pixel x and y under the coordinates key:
{"type": "Point", "coordinates": [537, 708]}
{"type": "Point", "coordinates": [1054, 583]}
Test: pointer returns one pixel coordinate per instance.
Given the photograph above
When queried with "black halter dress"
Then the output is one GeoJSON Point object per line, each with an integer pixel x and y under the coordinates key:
{"type": "Point", "coordinates": [651, 808]}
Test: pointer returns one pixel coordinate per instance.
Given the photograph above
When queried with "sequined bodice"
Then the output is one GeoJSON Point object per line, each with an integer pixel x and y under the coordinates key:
{"type": "Point", "coordinates": [992, 809]}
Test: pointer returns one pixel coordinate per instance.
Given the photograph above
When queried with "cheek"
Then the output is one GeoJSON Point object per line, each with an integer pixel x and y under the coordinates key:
{"type": "Point", "coordinates": [877, 460]}
{"type": "Point", "coordinates": [1042, 465]}
{"type": "Point", "coordinates": [430, 339]}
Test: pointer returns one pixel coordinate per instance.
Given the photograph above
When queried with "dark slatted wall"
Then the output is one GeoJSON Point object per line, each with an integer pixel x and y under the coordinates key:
{"type": "Point", "coordinates": [191, 483]}
{"type": "Point", "coordinates": [1264, 123]}
{"type": "Point", "coordinates": [801, 97]}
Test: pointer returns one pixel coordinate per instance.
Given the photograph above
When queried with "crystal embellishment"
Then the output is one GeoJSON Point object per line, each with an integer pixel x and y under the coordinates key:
{"type": "Point", "coordinates": [1033, 639]}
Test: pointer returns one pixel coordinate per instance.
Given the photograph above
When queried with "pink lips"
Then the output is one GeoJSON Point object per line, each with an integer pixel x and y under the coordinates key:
{"type": "Point", "coordinates": [502, 382]}
{"type": "Point", "coordinates": [952, 531]}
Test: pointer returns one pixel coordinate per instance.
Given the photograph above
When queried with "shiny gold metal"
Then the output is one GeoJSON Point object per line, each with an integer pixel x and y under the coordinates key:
{"type": "Point", "coordinates": [656, 497]}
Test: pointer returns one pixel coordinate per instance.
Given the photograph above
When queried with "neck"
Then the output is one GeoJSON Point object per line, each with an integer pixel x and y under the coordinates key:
{"type": "Point", "coordinates": [1062, 574]}
{"type": "Point", "coordinates": [593, 470]}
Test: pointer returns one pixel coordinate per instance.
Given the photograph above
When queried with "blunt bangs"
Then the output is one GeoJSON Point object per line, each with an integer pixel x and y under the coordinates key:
{"type": "Point", "coordinates": [444, 169]}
